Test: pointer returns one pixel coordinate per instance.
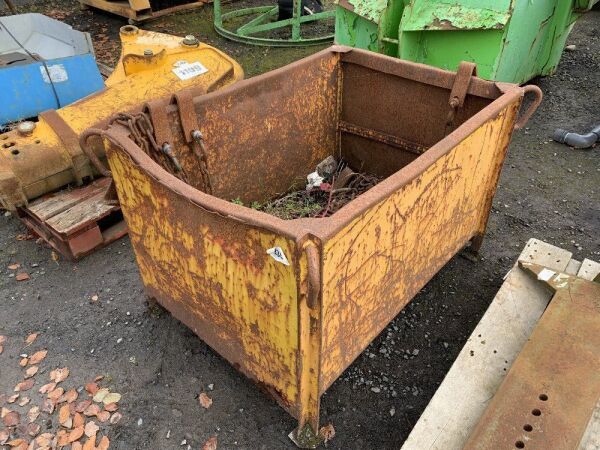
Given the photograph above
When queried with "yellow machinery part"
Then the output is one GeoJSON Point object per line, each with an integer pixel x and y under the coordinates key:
{"type": "Point", "coordinates": [50, 158]}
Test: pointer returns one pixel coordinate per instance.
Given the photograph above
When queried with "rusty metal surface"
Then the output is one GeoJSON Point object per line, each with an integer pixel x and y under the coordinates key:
{"type": "Point", "coordinates": [294, 328]}
{"type": "Point", "coordinates": [549, 394]}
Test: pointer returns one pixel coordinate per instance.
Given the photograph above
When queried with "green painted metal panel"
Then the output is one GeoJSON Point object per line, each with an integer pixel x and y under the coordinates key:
{"type": "Point", "coordinates": [428, 15]}
{"type": "Point", "coordinates": [447, 50]}
{"type": "Point", "coordinates": [354, 31]}
{"type": "Point", "coordinates": [509, 40]}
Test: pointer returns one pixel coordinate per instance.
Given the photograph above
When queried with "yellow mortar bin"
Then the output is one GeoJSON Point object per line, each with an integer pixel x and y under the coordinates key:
{"type": "Point", "coordinates": [41, 157]}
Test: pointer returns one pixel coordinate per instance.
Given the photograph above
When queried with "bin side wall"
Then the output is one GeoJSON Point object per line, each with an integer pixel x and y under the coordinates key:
{"type": "Point", "coordinates": [213, 273]}
{"type": "Point", "coordinates": [410, 110]}
{"type": "Point", "coordinates": [271, 132]}
{"type": "Point", "coordinates": [379, 261]}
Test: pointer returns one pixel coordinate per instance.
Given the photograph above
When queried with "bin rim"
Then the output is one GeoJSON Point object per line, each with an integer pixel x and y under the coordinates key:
{"type": "Point", "coordinates": [326, 227]}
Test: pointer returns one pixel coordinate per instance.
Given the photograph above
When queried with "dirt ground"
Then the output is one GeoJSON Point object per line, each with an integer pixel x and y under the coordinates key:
{"type": "Point", "coordinates": [92, 317]}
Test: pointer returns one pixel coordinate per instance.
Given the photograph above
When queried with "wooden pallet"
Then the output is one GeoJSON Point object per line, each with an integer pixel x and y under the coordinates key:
{"type": "Point", "coordinates": [76, 221]}
{"type": "Point", "coordinates": [490, 351]}
{"type": "Point", "coordinates": [137, 11]}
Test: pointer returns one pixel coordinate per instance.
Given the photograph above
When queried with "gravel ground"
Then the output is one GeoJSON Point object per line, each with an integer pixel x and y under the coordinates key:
{"type": "Point", "coordinates": [92, 317]}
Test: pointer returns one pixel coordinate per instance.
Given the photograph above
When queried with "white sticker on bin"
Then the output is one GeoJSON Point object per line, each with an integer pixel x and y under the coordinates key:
{"type": "Point", "coordinates": [191, 70]}
{"type": "Point", "coordinates": [278, 255]}
{"type": "Point", "coordinates": [58, 73]}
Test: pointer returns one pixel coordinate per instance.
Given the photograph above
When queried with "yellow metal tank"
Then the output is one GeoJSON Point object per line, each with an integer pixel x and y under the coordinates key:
{"type": "Point", "coordinates": [36, 158]}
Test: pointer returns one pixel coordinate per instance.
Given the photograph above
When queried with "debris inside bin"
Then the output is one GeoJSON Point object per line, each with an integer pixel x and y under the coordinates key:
{"type": "Point", "coordinates": [332, 185]}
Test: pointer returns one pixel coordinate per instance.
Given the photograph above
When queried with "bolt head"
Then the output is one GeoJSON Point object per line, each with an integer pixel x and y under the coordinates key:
{"type": "Point", "coordinates": [190, 40]}
{"type": "Point", "coordinates": [26, 128]}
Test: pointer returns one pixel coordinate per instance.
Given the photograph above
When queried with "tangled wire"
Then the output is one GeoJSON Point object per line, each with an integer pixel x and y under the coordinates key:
{"type": "Point", "coordinates": [322, 201]}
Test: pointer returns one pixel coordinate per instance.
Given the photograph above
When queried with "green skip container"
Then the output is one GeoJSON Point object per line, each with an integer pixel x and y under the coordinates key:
{"type": "Point", "coordinates": [509, 40]}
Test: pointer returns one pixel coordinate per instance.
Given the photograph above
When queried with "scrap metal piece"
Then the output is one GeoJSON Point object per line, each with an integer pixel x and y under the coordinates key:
{"type": "Point", "coordinates": [550, 392]}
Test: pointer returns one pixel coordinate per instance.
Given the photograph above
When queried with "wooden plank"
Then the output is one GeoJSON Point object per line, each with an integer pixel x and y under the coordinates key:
{"type": "Point", "coordinates": [589, 269]}
{"type": "Point", "coordinates": [591, 438]}
{"type": "Point", "coordinates": [485, 359]}
{"type": "Point", "coordinates": [120, 8]}
{"type": "Point", "coordinates": [139, 5]}
{"type": "Point", "coordinates": [89, 210]}
{"type": "Point", "coordinates": [51, 205]}
{"type": "Point", "coordinates": [573, 267]}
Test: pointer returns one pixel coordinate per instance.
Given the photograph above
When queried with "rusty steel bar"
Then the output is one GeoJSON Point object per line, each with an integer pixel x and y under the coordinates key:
{"type": "Point", "coordinates": [384, 138]}
{"type": "Point", "coordinates": [549, 394]}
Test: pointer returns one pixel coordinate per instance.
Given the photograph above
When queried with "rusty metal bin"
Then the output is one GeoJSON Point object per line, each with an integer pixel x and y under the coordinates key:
{"type": "Point", "coordinates": [292, 319]}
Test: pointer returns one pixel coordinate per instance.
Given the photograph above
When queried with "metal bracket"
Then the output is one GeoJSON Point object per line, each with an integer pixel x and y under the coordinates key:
{"type": "Point", "coordinates": [466, 71]}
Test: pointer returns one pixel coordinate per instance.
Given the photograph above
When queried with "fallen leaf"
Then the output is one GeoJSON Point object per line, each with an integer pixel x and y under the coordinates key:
{"type": "Point", "coordinates": [211, 444]}
{"type": "Point", "coordinates": [33, 413]}
{"type": "Point", "coordinates": [70, 396]}
{"type": "Point", "coordinates": [99, 396]}
{"type": "Point", "coordinates": [115, 418]}
{"type": "Point", "coordinates": [103, 444]}
{"type": "Point", "coordinates": [78, 420]}
{"type": "Point", "coordinates": [37, 357]}
{"type": "Point", "coordinates": [103, 416]}
{"type": "Point", "coordinates": [4, 435]}
{"type": "Point", "coordinates": [32, 337]}
{"type": "Point", "coordinates": [24, 401]}
{"type": "Point", "coordinates": [98, 378]}
{"type": "Point", "coordinates": [63, 438]}
{"type": "Point", "coordinates": [47, 388]}
{"type": "Point", "coordinates": [11, 419]}
{"type": "Point", "coordinates": [12, 398]}
{"type": "Point", "coordinates": [33, 429]}
{"type": "Point", "coordinates": [327, 432]}
{"type": "Point", "coordinates": [31, 371]}
{"type": "Point", "coordinates": [44, 439]}
{"type": "Point", "coordinates": [2, 339]}
{"type": "Point", "coordinates": [90, 444]}
{"type": "Point", "coordinates": [54, 256]}
{"type": "Point", "coordinates": [22, 276]}
{"type": "Point", "coordinates": [17, 443]}
{"type": "Point", "coordinates": [82, 406]}
{"type": "Point", "coordinates": [48, 405]}
{"type": "Point", "coordinates": [91, 428]}
{"type": "Point", "coordinates": [64, 415]}
{"type": "Point", "coordinates": [111, 407]}
{"type": "Point", "coordinates": [76, 434]}
{"type": "Point", "coordinates": [3, 412]}
{"type": "Point", "coordinates": [14, 266]}
{"type": "Point", "coordinates": [91, 410]}
{"type": "Point", "coordinates": [205, 400]}
{"type": "Point", "coordinates": [112, 397]}
{"type": "Point", "coordinates": [24, 385]}
{"type": "Point", "coordinates": [58, 375]}
{"type": "Point", "coordinates": [23, 362]}
{"type": "Point", "coordinates": [92, 388]}
{"type": "Point", "coordinates": [56, 393]}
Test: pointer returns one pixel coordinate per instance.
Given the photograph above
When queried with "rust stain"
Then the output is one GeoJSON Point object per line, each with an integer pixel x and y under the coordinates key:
{"type": "Point", "coordinates": [551, 390]}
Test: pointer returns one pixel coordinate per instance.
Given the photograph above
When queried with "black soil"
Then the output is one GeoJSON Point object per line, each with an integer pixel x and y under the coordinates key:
{"type": "Point", "coordinates": [547, 191]}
